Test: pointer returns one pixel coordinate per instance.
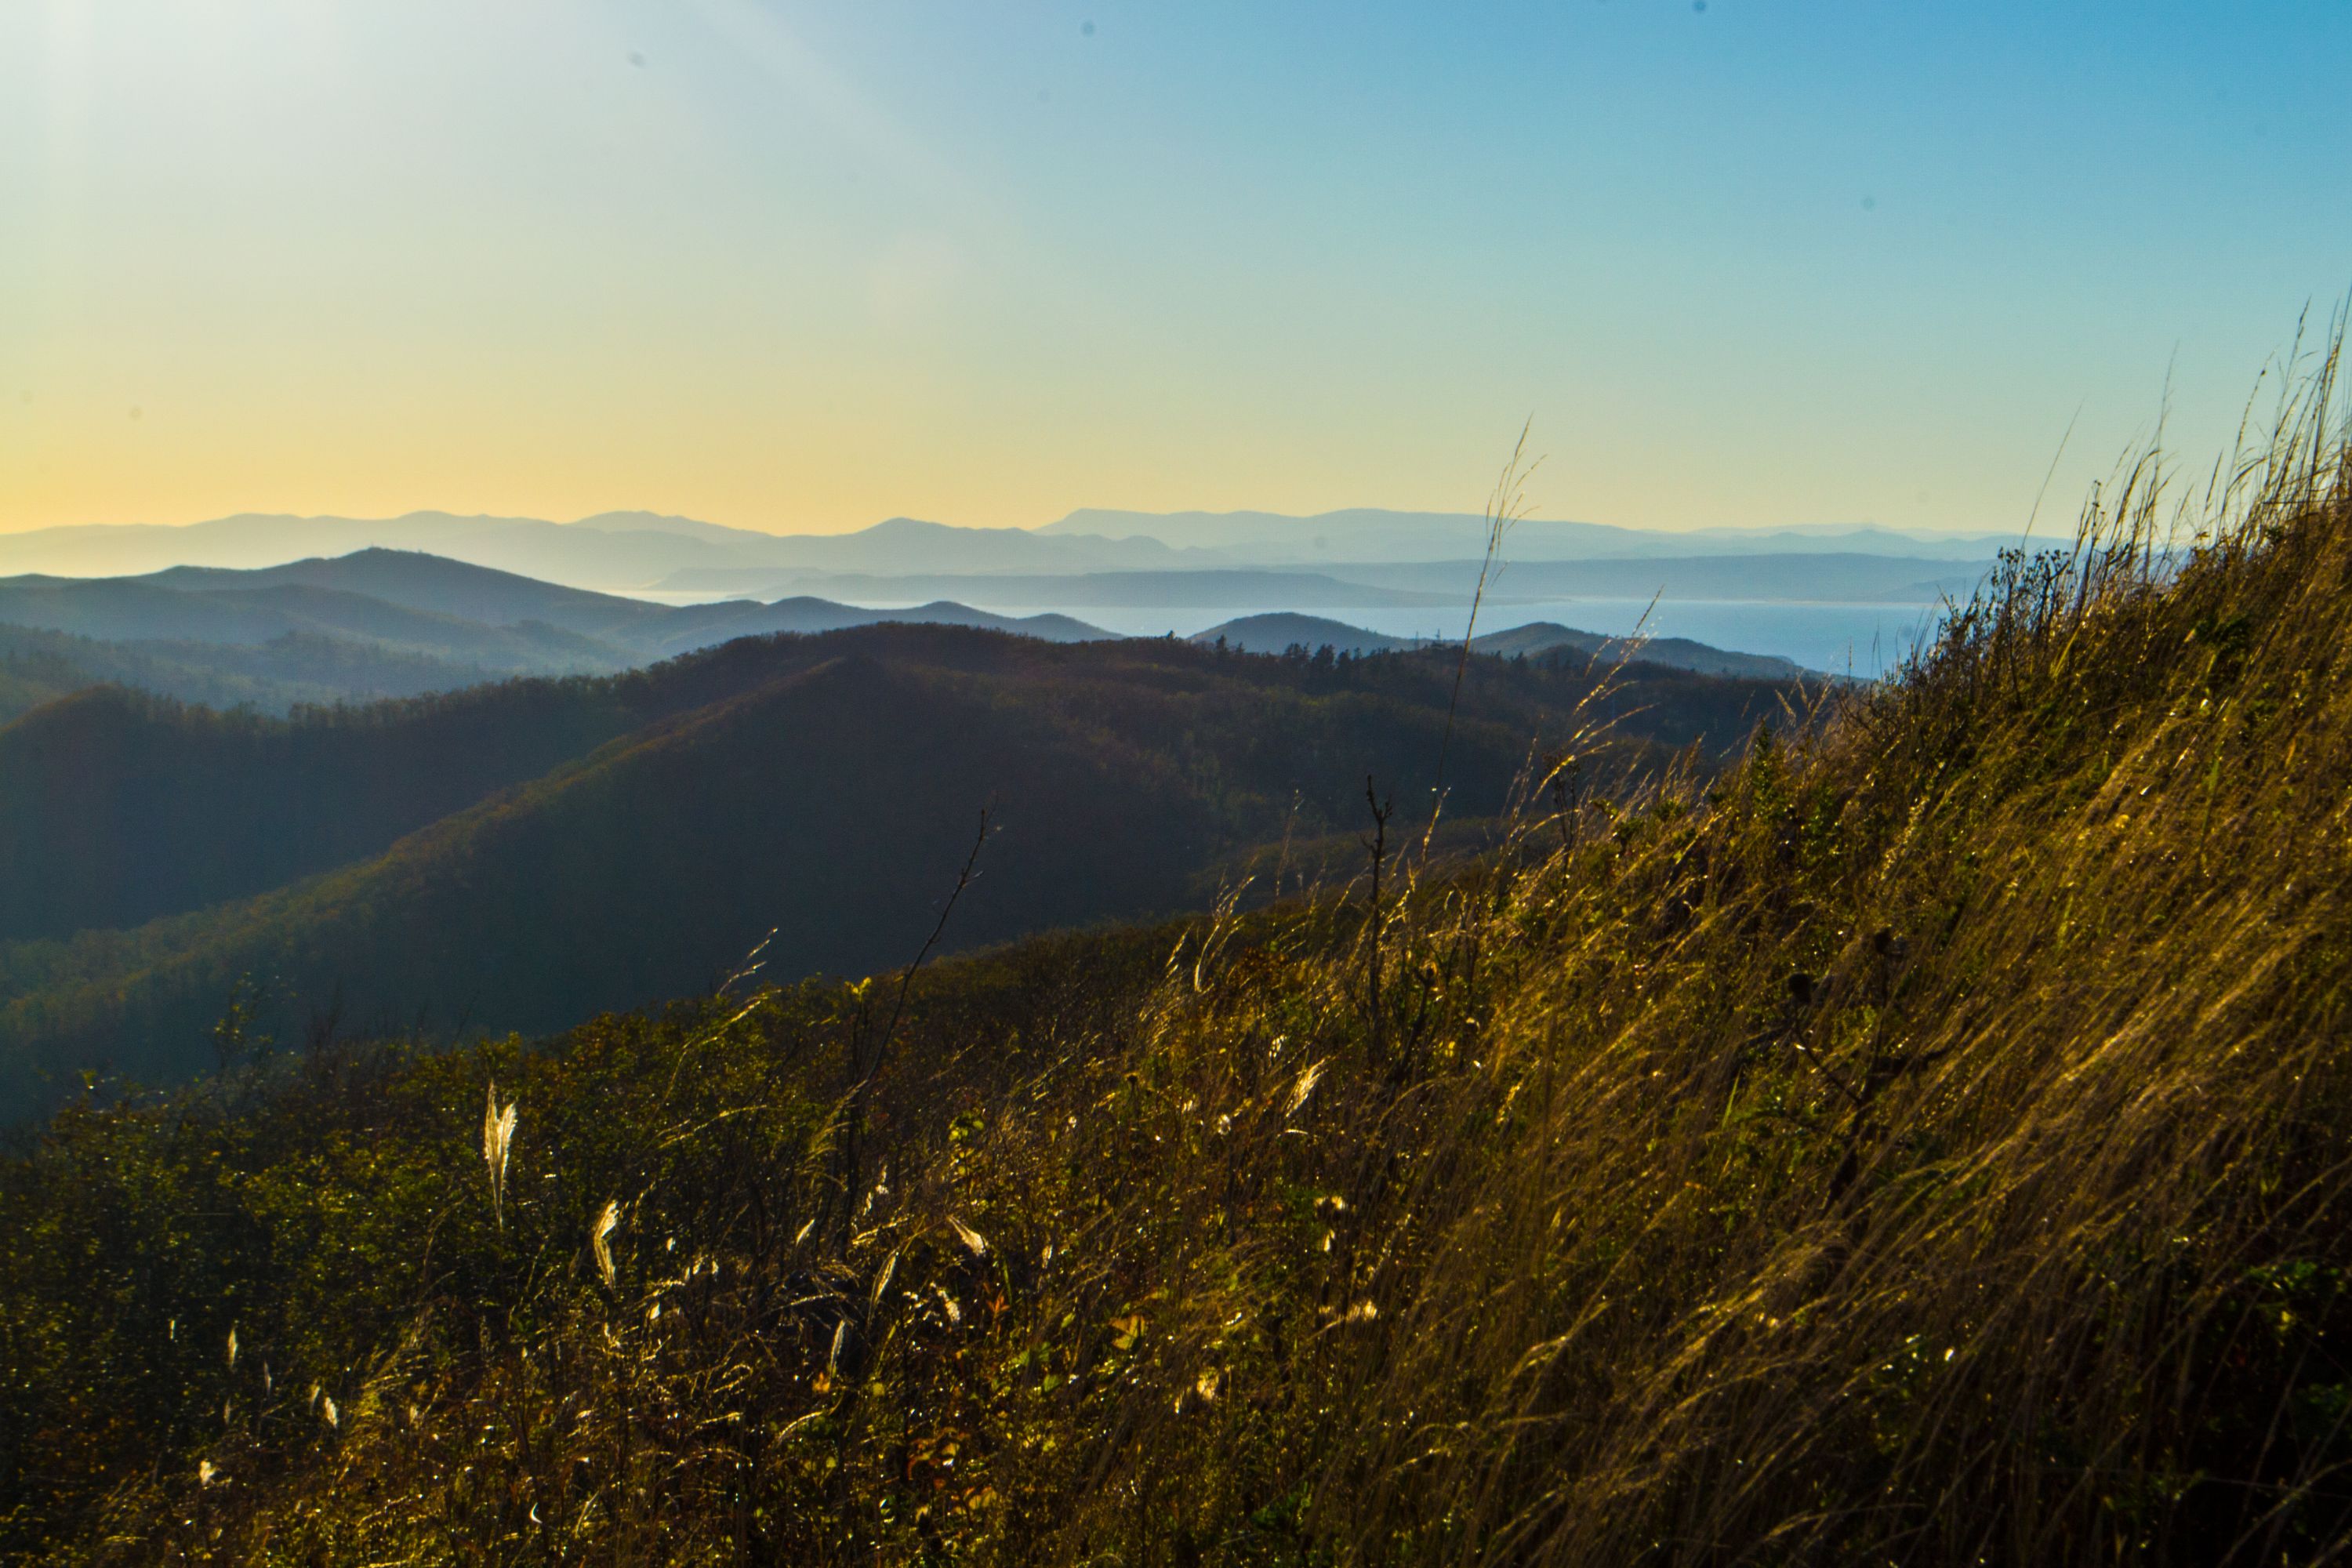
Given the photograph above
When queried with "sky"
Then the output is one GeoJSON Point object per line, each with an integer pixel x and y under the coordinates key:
{"type": "Point", "coordinates": [802, 268]}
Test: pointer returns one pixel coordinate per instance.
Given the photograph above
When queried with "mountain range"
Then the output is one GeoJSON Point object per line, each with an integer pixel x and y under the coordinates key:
{"type": "Point", "coordinates": [376, 623]}
{"type": "Point", "coordinates": [1373, 533]}
{"type": "Point", "coordinates": [390, 623]}
{"type": "Point", "coordinates": [634, 550]}
{"type": "Point", "coordinates": [1311, 633]}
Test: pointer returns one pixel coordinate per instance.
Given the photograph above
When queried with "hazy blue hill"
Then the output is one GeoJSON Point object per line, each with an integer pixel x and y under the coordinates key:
{"type": "Point", "coordinates": [1844, 577]}
{"type": "Point", "coordinates": [1377, 534]}
{"type": "Point", "coordinates": [436, 586]}
{"type": "Point", "coordinates": [457, 588]}
{"type": "Point", "coordinates": [273, 677]}
{"type": "Point", "coordinates": [1356, 583]}
{"type": "Point", "coordinates": [1221, 588]}
{"type": "Point", "coordinates": [609, 550]}
{"type": "Point", "coordinates": [1354, 533]}
{"type": "Point", "coordinates": [634, 549]}
{"type": "Point", "coordinates": [628, 550]}
{"type": "Point", "coordinates": [586, 558]}
{"type": "Point", "coordinates": [120, 609]}
{"type": "Point", "coordinates": [897, 542]}
{"type": "Point", "coordinates": [1278, 631]}
{"type": "Point", "coordinates": [383, 623]}
{"type": "Point", "coordinates": [660, 522]}
{"type": "Point", "coordinates": [614, 551]}
{"type": "Point", "coordinates": [1541, 638]}
{"type": "Point", "coordinates": [700, 625]}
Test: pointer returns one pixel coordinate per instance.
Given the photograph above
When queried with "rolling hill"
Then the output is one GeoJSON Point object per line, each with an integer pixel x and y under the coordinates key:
{"type": "Point", "coordinates": [475, 860]}
{"type": "Point", "coordinates": [1538, 639]}
{"type": "Point", "coordinates": [384, 623]}
{"type": "Point", "coordinates": [289, 670]}
{"type": "Point", "coordinates": [425, 602]}
{"type": "Point", "coordinates": [432, 585]}
{"type": "Point", "coordinates": [376, 623]}
{"type": "Point", "coordinates": [130, 609]}
{"type": "Point", "coordinates": [1209, 588]}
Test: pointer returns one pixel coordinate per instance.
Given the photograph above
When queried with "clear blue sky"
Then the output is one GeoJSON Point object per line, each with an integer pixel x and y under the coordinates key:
{"type": "Point", "coordinates": [803, 267]}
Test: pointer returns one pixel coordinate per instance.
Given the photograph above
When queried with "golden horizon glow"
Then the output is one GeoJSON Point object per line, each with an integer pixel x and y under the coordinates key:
{"type": "Point", "coordinates": [799, 270]}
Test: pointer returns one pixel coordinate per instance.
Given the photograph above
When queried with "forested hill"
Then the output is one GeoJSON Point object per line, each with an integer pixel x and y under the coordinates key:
{"type": "Point", "coordinates": [296, 668]}
{"type": "Point", "coordinates": [525, 855]}
{"type": "Point", "coordinates": [376, 624]}
{"type": "Point", "coordinates": [116, 807]}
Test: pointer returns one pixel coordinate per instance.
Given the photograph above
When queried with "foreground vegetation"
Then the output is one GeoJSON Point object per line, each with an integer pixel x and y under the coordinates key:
{"type": "Point", "coordinates": [1925, 1144]}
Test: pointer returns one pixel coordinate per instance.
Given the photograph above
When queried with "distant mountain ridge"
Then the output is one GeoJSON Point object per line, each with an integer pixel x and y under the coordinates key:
{"type": "Point", "coordinates": [1200, 588]}
{"type": "Point", "coordinates": [609, 550]}
{"type": "Point", "coordinates": [296, 669]}
{"type": "Point", "coordinates": [379, 622]}
{"type": "Point", "coordinates": [1378, 534]}
{"type": "Point", "coordinates": [1283, 632]}
{"type": "Point", "coordinates": [630, 551]}
{"type": "Point", "coordinates": [384, 623]}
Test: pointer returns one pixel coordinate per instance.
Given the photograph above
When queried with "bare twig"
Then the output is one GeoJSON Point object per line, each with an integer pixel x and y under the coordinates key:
{"type": "Point", "coordinates": [854, 1109]}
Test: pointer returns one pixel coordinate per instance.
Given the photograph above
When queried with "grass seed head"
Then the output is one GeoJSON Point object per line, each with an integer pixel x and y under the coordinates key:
{"type": "Point", "coordinates": [608, 1220]}
{"type": "Point", "coordinates": [498, 1138]}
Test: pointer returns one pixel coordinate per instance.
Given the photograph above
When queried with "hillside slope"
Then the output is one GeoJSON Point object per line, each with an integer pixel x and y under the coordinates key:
{"type": "Point", "coordinates": [1537, 639]}
{"type": "Point", "coordinates": [614, 629]}
{"type": "Point", "coordinates": [435, 585]}
{"type": "Point", "coordinates": [291, 670]}
{"type": "Point", "coordinates": [131, 609]}
{"type": "Point", "coordinates": [814, 805]}
{"type": "Point", "coordinates": [730, 791]}
{"type": "Point", "coordinates": [116, 809]}
{"type": "Point", "coordinates": [376, 625]}
{"type": "Point", "coordinates": [1927, 1143]}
